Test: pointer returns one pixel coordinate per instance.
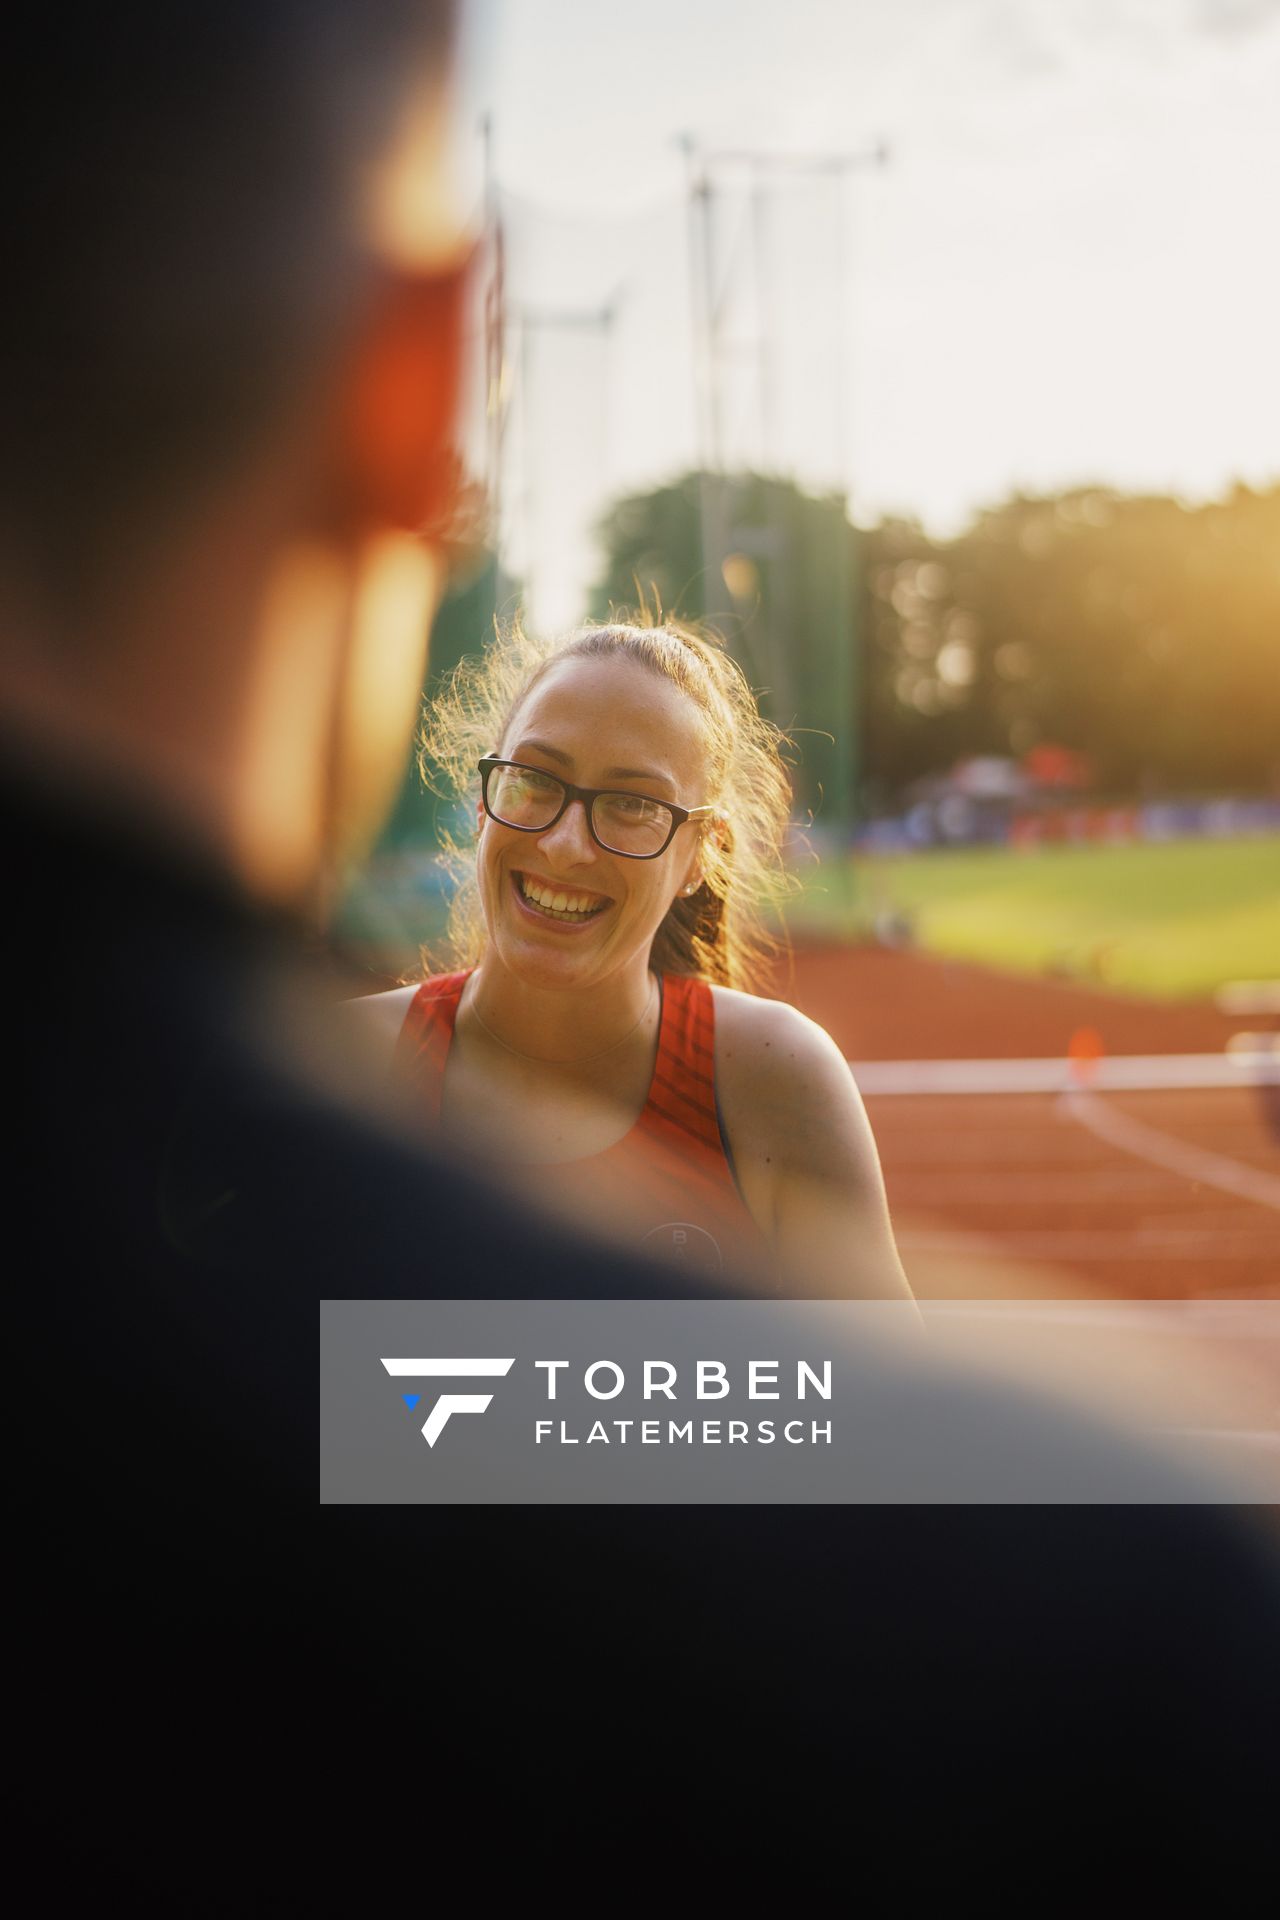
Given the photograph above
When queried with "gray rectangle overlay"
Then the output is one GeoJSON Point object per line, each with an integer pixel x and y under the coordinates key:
{"type": "Point", "coordinates": [496, 1402]}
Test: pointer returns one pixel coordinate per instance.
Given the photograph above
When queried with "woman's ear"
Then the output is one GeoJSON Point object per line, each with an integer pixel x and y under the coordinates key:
{"type": "Point", "coordinates": [713, 831]}
{"type": "Point", "coordinates": [696, 878]}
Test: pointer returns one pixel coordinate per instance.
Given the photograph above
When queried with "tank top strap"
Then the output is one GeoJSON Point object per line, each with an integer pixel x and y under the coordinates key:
{"type": "Point", "coordinates": [682, 1093]}
{"type": "Point", "coordinates": [422, 1046]}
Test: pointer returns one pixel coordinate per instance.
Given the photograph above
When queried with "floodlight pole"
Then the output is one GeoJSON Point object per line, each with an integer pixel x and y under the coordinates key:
{"type": "Point", "coordinates": [760, 164]}
{"type": "Point", "coordinates": [706, 413]}
{"type": "Point", "coordinates": [700, 166]}
{"type": "Point", "coordinates": [531, 320]}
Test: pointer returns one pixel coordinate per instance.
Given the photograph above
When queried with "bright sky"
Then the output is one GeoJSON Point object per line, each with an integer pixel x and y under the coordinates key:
{"type": "Point", "coordinates": [1068, 273]}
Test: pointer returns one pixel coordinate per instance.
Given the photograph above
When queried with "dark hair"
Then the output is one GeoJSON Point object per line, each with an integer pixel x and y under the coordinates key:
{"type": "Point", "coordinates": [718, 933]}
{"type": "Point", "coordinates": [182, 243]}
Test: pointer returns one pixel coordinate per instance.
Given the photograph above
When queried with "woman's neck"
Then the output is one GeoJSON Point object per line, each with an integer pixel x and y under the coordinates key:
{"type": "Point", "coordinates": [560, 1027]}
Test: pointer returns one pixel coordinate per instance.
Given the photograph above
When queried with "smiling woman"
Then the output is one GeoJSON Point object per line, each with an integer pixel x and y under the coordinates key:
{"type": "Point", "coordinates": [599, 1036]}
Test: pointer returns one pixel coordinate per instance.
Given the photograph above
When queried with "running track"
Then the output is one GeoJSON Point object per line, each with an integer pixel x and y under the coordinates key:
{"type": "Point", "coordinates": [1170, 1193]}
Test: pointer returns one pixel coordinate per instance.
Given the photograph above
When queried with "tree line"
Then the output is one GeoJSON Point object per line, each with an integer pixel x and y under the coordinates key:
{"type": "Point", "coordinates": [1136, 630]}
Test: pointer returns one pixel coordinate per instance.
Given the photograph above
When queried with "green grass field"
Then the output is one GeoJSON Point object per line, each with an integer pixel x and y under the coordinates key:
{"type": "Point", "coordinates": [1171, 921]}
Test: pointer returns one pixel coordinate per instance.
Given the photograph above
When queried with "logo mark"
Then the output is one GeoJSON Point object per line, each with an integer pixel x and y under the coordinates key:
{"type": "Point", "coordinates": [448, 1403]}
{"type": "Point", "coordinates": [693, 1245]}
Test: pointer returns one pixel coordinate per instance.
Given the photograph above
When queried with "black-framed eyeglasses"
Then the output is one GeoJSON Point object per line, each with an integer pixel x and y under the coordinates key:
{"type": "Point", "coordinates": [530, 799]}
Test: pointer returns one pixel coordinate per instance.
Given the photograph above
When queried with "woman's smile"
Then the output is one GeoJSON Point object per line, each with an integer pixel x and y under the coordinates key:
{"type": "Point", "coordinates": [558, 902]}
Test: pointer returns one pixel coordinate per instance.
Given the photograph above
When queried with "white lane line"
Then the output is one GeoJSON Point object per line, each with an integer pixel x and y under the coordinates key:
{"type": "Point", "coordinates": [1136, 1072]}
{"type": "Point", "coordinates": [1019, 1187]}
{"type": "Point", "coordinates": [1163, 1150]}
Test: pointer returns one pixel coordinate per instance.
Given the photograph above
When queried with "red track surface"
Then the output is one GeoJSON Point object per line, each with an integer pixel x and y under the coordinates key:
{"type": "Point", "coordinates": [998, 1195]}
{"type": "Point", "coordinates": [885, 1005]}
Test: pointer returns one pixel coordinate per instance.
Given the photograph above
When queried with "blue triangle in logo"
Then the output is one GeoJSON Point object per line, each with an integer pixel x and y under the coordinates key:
{"type": "Point", "coordinates": [411, 1400]}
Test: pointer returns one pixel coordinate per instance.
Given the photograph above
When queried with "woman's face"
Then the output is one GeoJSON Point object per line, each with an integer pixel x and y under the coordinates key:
{"type": "Point", "coordinates": [595, 723]}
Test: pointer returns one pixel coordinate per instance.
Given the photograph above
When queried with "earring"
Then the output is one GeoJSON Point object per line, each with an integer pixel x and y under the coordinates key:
{"type": "Point", "coordinates": [692, 887]}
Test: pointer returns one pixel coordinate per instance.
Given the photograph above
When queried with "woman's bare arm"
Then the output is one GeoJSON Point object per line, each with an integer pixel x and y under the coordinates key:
{"type": "Point", "coordinates": [804, 1150]}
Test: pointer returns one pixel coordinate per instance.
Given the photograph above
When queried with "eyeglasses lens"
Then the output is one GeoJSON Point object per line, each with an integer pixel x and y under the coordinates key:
{"type": "Point", "coordinates": [522, 797]}
{"type": "Point", "coordinates": [626, 823]}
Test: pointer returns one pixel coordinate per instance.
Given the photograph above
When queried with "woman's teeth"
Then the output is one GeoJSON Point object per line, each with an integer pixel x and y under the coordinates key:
{"type": "Point", "coordinates": [561, 904]}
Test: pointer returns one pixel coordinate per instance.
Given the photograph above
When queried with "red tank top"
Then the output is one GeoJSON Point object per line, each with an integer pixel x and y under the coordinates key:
{"type": "Point", "coordinates": [669, 1183]}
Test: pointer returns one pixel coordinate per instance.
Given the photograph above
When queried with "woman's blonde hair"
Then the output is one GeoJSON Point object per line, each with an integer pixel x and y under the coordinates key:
{"type": "Point", "coordinates": [717, 933]}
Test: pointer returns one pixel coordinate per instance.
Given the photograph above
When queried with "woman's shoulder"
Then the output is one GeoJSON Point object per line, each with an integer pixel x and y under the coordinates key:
{"type": "Point", "coordinates": [381, 1016]}
{"type": "Point", "coordinates": [777, 1068]}
{"type": "Point", "coordinates": [789, 1098]}
{"type": "Point", "coordinates": [749, 1023]}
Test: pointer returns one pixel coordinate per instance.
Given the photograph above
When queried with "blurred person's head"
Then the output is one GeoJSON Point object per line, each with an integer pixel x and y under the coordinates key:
{"type": "Point", "coordinates": [663, 701]}
{"type": "Point", "coordinates": [228, 363]}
